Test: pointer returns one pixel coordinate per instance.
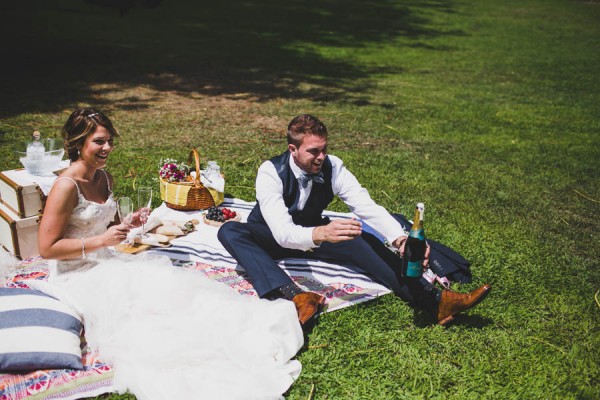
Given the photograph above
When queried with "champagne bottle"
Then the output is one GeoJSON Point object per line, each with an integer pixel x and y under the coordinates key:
{"type": "Point", "coordinates": [414, 250]}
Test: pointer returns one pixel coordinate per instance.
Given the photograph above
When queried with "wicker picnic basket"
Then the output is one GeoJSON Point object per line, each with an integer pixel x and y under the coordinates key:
{"type": "Point", "coordinates": [187, 196]}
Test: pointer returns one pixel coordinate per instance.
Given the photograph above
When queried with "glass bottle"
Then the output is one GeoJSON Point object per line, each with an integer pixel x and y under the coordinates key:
{"type": "Point", "coordinates": [35, 149]}
{"type": "Point", "coordinates": [414, 250]}
{"type": "Point", "coordinates": [210, 169]}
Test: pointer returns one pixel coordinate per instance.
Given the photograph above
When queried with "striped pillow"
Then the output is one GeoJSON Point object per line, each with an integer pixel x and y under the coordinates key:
{"type": "Point", "coordinates": [37, 332]}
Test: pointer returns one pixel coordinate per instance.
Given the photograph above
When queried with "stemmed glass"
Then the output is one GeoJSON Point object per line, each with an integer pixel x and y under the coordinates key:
{"type": "Point", "coordinates": [144, 201]}
{"type": "Point", "coordinates": [125, 211]}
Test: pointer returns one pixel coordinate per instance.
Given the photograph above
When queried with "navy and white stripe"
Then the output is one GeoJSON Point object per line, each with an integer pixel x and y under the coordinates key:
{"type": "Point", "coordinates": [37, 332]}
{"type": "Point", "coordinates": [203, 246]}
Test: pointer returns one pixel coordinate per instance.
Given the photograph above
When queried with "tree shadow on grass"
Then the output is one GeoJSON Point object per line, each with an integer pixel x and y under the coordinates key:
{"type": "Point", "coordinates": [60, 53]}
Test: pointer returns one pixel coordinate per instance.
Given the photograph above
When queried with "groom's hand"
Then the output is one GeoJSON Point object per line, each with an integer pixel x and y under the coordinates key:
{"type": "Point", "coordinates": [400, 244]}
{"type": "Point", "coordinates": [338, 230]}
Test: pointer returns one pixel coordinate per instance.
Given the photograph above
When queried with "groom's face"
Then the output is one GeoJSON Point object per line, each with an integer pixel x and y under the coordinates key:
{"type": "Point", "coordinates": [311, 153]}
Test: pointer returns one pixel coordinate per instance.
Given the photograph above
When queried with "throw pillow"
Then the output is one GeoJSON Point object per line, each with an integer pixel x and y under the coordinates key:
{"type": "Point", "coordinates": [37, 332]}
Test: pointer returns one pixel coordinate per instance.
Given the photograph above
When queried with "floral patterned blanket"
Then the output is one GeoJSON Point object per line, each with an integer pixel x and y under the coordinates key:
{"type": "Point", "coordinates": [94, 379]}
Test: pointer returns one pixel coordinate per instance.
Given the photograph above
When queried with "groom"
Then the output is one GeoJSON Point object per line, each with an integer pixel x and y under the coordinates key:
{"type": "Point", "coordinates": [292, 190]}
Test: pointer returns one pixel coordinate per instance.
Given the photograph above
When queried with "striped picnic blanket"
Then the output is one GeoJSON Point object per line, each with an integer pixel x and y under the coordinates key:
{"type": "Point", "coordinates": [342, 285]}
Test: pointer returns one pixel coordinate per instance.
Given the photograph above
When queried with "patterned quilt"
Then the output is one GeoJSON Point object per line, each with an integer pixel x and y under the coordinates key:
{"type": "Point", "coordinates": [95, 378]}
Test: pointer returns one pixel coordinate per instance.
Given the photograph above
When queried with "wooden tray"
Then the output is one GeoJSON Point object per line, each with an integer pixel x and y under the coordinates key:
{"type": "Point", "coordinates": [132, 249]}
{"type": "Point", "coordinates": [210, 222]}
{"type": "Point", "coordinates": [139, 247]}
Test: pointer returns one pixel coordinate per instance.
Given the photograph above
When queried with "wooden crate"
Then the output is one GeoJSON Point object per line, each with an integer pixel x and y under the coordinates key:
{"type": "Point", "coordinates": [21, 194]}
{"type": "Point", "coordinates": [19, 236]}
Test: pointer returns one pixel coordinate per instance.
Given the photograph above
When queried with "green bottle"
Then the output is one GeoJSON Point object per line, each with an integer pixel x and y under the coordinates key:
{"type": "Point", "coordinates": [414, 250]}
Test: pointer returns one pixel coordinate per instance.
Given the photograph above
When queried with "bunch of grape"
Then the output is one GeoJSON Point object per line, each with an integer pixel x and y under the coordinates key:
{"type": "Point", "coordinates": [220, 214]}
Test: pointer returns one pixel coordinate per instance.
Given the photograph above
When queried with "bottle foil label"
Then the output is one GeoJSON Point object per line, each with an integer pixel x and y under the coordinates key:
{"type": "Point", "coordinates": [414, 269]}
{"type": "Point", "coordinates": [419, 234]}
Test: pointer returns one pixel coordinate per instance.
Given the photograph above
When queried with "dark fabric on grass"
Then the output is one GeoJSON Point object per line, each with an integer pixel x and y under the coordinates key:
{"type": "Point", "coordinates": [443, 260]}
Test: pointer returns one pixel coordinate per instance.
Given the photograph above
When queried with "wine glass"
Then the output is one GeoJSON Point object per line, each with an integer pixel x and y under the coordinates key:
{"type": "Point", "coordinates": [125, 211]}
{"type": "Point", "coordinates": [144, 201]}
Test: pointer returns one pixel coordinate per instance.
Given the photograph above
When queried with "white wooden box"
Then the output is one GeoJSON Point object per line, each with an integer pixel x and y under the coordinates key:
{"type": "Point", "coordinates": [19, 236]}
{"type": "Point", "coordinates": [20, 192]}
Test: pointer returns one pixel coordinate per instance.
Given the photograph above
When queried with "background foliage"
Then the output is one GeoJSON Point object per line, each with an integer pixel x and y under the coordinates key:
{"type": "Point", "coordinates": [486, 111]}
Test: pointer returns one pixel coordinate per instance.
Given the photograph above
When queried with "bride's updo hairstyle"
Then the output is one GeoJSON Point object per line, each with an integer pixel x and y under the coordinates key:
{"type": "Point", "coordinates": [81, 123]}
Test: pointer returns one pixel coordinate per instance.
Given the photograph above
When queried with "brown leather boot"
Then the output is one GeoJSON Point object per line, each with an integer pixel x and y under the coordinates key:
{"type": "Point", "coordinates": [307, 305]}
{"type": "Point", "coordinates": [453, 303]}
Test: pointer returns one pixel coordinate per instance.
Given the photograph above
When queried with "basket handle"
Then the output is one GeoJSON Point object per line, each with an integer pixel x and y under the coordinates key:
{"type": "Point", "coordinates": [196, 156]}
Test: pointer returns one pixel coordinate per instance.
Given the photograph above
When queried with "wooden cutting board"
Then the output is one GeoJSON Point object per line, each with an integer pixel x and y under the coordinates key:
{"type": "Point", "coordinates": [132, 249]}
{"type": "Point", "coordinates": [139, 247]}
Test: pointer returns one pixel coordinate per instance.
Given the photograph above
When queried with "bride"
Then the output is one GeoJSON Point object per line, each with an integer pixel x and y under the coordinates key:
{"type": "Point", "coordinates": [168, 332]}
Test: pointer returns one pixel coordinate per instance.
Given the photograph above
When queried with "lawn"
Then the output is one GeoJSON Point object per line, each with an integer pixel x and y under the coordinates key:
{"type": "Point", "coordinates": [487, 111]}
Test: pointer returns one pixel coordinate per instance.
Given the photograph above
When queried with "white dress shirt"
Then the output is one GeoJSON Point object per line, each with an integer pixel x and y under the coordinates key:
{"type": "Point", "coordinates": [269, 193]}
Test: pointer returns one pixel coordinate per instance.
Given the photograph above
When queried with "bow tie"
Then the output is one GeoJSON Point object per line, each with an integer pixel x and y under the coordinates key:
{"type": "Point", "coordinates": [305, 178]}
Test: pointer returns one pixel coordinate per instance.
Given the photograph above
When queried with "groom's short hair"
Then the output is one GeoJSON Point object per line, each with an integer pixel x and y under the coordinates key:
{"type": "Point", "coordinates": [302, 125]}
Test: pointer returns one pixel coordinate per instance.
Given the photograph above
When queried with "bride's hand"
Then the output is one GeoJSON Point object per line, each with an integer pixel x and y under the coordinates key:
{"type": "Point", "coordinates": [140, 216]}
{"type": "Point", "coordinates": [116, 234]}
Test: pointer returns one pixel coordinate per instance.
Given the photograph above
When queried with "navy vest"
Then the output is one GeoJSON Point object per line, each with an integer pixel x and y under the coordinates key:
{"type": "Point", "coordinates": [320, 196]}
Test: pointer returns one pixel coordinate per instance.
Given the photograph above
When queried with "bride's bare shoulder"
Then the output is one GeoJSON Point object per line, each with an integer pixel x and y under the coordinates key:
{"type": "Point", "coordinates": [66, 185]}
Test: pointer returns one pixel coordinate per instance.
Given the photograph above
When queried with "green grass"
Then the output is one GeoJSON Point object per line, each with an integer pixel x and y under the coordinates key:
{"type": "Point", "coordinates": [486, 111]}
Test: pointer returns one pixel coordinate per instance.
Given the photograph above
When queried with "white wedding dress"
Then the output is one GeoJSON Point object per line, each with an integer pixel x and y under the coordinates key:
{"type": "Point", "coordinates": [171, 333]}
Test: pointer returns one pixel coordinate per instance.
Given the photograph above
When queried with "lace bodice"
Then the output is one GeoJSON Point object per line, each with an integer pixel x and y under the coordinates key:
{"type": "Point", "coordinates": [88, 219]}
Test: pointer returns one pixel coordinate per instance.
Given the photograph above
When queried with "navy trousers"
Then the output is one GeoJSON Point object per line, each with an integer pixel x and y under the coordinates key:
{"type": "Point", "coordinates": [255, 249]}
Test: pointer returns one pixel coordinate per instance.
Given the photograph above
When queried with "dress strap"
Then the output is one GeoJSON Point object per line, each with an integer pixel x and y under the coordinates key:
{"type": "Point", "coordinates": [107, 182]}
{"type": "Point", "coordinates": [72, 180]}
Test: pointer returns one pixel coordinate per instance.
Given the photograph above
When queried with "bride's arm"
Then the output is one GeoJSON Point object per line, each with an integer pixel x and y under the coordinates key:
{"type": "Point", "coordinates": [51, 238]}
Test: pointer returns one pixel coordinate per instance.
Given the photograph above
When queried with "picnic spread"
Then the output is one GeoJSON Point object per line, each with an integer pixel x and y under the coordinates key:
{"type": "Point", "coordinates": [183, 231]}
{"type": "Point", "coordinates": [199, 251]}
